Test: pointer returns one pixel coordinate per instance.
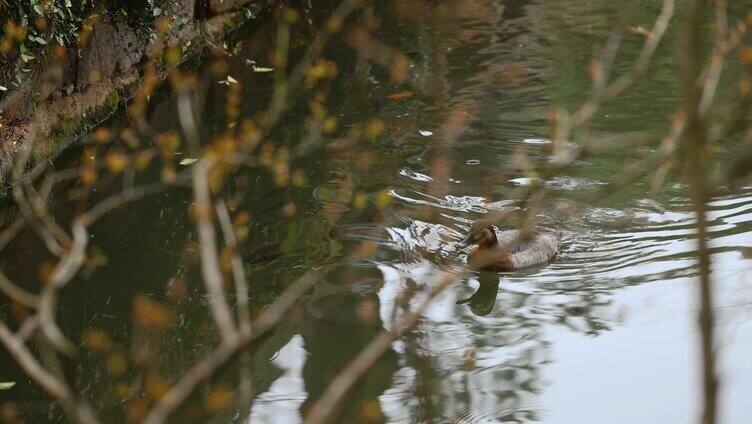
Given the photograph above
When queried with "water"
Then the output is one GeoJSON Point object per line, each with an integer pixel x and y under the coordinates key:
{"type": "Point", "coordinates": [605, 333]}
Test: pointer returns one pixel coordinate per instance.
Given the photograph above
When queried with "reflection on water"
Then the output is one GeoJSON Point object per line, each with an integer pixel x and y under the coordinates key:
{"type": "Point", "coordinates": [605, 333]}
{"type": "Point", "coordinates": [482, 301]}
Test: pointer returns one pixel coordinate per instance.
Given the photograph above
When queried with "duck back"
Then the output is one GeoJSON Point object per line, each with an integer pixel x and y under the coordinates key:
{"type": "Point", "coordinates": [541, 248]}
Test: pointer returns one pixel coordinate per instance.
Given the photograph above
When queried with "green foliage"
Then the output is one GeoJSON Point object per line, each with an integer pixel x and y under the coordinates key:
{"type": "Point", "coordinates": [28, 29]}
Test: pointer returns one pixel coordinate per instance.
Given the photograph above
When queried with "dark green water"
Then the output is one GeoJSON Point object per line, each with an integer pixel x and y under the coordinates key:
{"type": "Point", "coordinates": [606, 333]}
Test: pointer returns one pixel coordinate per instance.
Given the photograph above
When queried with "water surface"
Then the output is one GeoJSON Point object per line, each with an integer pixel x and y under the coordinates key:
{"type": "Point", "coordinates": [605, 333]}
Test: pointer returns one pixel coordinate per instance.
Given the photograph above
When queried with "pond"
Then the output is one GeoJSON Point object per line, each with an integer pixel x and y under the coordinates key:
{"type": "Point", "coordinates": [607, 332]}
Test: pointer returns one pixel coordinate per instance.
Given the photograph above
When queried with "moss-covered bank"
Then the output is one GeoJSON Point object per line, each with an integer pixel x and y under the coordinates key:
{"type": "Point", "coordinates": [56, 83]}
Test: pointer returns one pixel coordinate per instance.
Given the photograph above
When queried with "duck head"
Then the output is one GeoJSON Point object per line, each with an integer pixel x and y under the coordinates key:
{"type": "Point", "coordinates": [481, 233]}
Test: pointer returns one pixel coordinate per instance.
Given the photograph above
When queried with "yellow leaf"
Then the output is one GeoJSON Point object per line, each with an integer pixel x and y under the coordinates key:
{"type": "Point", "coordinates": [116, 162]}
{"type": "Point", "coordinates": [219, 398]}
{"type": "Point", "coordinates": [96, 340]}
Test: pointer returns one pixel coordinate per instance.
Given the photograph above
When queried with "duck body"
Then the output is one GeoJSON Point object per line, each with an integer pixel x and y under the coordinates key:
{"type": "Point", "coordinates": [508, 250]}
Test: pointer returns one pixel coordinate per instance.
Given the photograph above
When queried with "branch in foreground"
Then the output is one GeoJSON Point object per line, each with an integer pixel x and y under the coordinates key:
{"type": "Point", "coordinates": [694, 145]}
{"type": "Point", "coordinates": [324, 409]}
{"type": "Point", "coordinates": [201, 372]}
{"type": "Point", "coordinates": [210, 269]}
{"type": "Point", "coordinates": [76, 408]}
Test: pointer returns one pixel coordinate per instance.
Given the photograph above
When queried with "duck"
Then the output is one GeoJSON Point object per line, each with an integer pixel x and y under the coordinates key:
{"type": "Point", "coordinates": [508, 251]}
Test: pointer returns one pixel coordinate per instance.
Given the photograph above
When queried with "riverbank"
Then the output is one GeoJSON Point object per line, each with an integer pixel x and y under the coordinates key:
{"type": "Point", "coordinates": [68, 89]}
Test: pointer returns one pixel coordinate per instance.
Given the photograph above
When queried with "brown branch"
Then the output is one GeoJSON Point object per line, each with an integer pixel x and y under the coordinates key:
{"type": "Point", "coordinates": [202, 371]}
{"type": "Point", "coordinates": [238, 273]}
{"type": "Point", "coordinates": [625, 81]}
{"type": "Point", "coordinates": [49, 234]}
{"type": "Point", "coordinates": [77, 409]}
{"type": "Point", "coordinates": [63, 272]}
{"type": "Point", "coordinates": [323, 410]}
{"type": "Point", "coordinates": [565, 124]}
{"type": "Point", "coordinates": [694, 145]}
{"type": "Point", "coordinates": [241, 293]}
{"type": "Point", "coordinates": [16, 293]}
{"type": "Point", "coordinates": [11, 231]}
{"type": "Point", "coordinates": [210, 270]}
{"type": "Point", "coordinates": [280, 99]}
{"type": "Point", "coordinates": [126, 196]}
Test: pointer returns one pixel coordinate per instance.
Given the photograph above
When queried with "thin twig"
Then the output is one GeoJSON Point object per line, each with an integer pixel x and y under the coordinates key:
{"type": "Point", "coordinates": [241, 294]}
{"type": "Point", "coordinates": [238, 273]}
{"type": "Point", "coordinates": [76, 408]}
{"type": "Point", "coordinates": [210, 270]}
{"type": "Point", "coordinates": [16, 293]}
{"type": "Point", "coordinates": [323, 410]}
{"type": "Point", "coordinates": [694, 144]}
{"type": "Point", "coordinates": [202, 371]}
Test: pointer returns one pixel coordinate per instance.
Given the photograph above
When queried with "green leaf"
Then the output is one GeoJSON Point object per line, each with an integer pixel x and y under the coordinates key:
{"type": "Point", "coordinates": [188, 161]}
{"type": "Point", "coordinates": [6, 385]}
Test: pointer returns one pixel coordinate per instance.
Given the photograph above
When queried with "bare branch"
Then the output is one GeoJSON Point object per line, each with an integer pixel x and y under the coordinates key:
{"type": "Point", "coordinates": [77, 409]}
{"type": "Point", "coordinates": [199, 373]}
{"type": "Point", "coordinates": [16, 293]}
{"type": "Point", "coordinates": [323, 410]}
{"type": "Point", "coordinates": [281, 101]}
{"type": "Point", "coordinates": [63, 272]}
{"type": "Point", "coordinates": [241, 293]}
{"type": "Point", "coordinates": [694, 144]}
{"type": "Point", "coordinates": [210, 270]}
{"type": "Point", "coordinates": [238, 273]}
{"type": "Point", "coordinates": [646, 54]}
{"type": "Point", "coordinates": [10, 232]}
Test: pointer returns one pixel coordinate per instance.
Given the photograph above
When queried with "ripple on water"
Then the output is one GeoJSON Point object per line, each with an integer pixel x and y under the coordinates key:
{"type": "Point", "coordinates": [414, 176]}
{"type": "Point", "coordinates": [449, 202]}
{"type": "Point", "coordinates": [607, 247]}
{"type": "Point", "coordinates": [536, 141]}
{"type": "Point", "coordinates": [562, 183]}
